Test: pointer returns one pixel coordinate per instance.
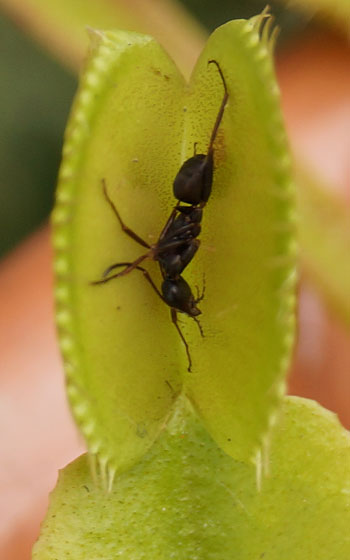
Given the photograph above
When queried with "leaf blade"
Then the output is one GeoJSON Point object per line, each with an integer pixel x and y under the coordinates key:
{"type": "Point", "coordinates": [105, 329]}
{"type": "Point", "coordinates": [187, 497]}
{"type": "Point", "coordinates": [248, 247]}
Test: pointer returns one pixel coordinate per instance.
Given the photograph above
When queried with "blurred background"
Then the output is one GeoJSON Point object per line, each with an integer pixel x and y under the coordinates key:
{"type": "Point", "coordinates": [42, 47]}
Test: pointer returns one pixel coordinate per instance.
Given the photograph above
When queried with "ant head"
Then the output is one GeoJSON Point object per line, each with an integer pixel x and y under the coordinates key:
{"type": "Point", "coordinates": [189, 306]}
{"type": "Point", "coordinates": [177, 294]}
{"type": "Point", "coordinates": [193, 310]}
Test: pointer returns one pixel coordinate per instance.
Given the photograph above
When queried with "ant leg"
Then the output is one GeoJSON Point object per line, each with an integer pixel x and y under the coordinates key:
{"type": "Point", "coordinates": [174, 320]}
{"type": "Point", "coordinates": [128, 264]}
{"type": "Point", "coordinates": [125, 228]}
{"type": "Point", "coordinates": [129, 268]}
{"type": "Point", "coordinates": [149, 279]}
{"type": "Point", "coordinates": [169, 223]}
{"type": "Point", "coordinates": [171, 219]}
{"type": "Point", "coordinates": [187, 228]}
{"type": "Point", "coordinates": [174, 244]}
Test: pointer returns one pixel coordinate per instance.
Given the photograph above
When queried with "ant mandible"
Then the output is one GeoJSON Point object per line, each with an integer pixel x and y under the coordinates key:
{"type": "Point", "coordinates": [178, 241]}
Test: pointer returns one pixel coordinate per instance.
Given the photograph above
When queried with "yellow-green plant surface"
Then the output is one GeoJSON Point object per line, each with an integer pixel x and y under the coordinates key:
{"type": "Point", "coordinates": [133, 123]}
{"type": "Point", "coordinates": [188, 500]}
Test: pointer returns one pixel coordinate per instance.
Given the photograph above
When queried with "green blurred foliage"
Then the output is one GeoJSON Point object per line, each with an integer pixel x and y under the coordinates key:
{"type": "Point", "coordinates": [35, 98]}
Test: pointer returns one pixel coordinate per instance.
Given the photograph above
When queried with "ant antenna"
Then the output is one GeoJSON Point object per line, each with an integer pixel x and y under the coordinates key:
{"type": "Point", "coordinates": [221, 110]}
{"type": "Point", "coordinates": [199, 326]}
{"type": "Point", "coordinates": [201, 296]}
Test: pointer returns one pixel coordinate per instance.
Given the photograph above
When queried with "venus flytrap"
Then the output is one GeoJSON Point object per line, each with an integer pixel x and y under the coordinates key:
{"type": "Point", "coordinates": [134, 122]}
{"type": "Point", "coordinates": [179, 492]}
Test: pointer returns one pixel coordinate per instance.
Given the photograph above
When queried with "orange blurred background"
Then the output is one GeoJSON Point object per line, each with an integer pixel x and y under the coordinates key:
{"type": "Point", "coordinates": [39, 435]}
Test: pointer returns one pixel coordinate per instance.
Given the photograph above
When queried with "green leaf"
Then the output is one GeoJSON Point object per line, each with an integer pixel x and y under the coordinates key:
{"type": "Point", "coordinates": [188, 499]}
{"type": "Point", "coordinates": [125, 362]}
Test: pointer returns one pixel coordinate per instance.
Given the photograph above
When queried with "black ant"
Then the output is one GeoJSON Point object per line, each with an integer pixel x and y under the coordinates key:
{"type": "Point", "coordinates": [177, 243]}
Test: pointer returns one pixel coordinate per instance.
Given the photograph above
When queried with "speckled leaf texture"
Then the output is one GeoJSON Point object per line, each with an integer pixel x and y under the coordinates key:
{"type": "Point", "coordinates": [133, 124]}
{"type": "Point", "coordinates": [187, 500]}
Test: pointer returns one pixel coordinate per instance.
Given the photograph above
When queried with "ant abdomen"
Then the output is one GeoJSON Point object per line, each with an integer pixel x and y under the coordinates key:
{"type": "Point", "coordinates": [193, 182]}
